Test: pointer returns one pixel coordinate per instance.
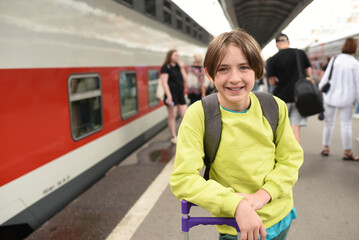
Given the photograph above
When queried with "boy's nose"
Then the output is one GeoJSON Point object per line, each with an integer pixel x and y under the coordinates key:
{"type": "Point", "coordinates": [235, 76]}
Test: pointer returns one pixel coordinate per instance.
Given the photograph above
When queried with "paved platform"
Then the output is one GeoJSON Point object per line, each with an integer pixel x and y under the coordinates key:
{"type": "Point", "coordinates": [326, 197]}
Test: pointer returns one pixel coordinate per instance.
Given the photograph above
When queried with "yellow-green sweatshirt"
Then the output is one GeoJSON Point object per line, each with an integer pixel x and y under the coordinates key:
{"type": "Point", "coordinates": [246, 161]}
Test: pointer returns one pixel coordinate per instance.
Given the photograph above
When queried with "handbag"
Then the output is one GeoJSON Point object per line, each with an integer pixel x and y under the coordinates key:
{"type": "Point", "coordinates": [326, 86]}
{"type": "Point", "coordinates": [307, 97]}
{"type": "Point", "coordinates": [160, 92]}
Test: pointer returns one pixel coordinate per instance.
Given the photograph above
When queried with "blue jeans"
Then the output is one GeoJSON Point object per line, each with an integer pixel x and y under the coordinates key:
{"type": "Point", "coordinates": [281, 236]}
{"type": "Point", "coordinates": [356, 107]}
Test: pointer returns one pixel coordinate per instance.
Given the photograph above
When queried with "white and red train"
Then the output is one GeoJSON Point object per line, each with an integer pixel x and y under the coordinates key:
{"type": "Point", "coordinates": [77, 83]}
{"type": "Point", "coordinates": [319, 53]}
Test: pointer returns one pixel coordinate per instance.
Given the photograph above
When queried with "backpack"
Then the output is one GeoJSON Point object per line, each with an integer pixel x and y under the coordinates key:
{"type": "Point", "coordinates": [213, 123]}
{"type": "Point", "coordinates": [307, 97]}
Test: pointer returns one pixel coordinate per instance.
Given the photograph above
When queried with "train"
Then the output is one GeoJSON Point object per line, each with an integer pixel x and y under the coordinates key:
{"type": "Point", "coordinates": [78, 83]}
{"type": "Point", "coordinates": [319, 54]}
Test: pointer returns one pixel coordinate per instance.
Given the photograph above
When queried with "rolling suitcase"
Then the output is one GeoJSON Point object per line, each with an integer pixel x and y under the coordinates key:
{"type": "Point", "coordinates": [189, 222]}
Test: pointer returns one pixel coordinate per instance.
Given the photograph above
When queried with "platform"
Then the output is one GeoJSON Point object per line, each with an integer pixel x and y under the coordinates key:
{"type": "Point", "coordinates": [326, 197]}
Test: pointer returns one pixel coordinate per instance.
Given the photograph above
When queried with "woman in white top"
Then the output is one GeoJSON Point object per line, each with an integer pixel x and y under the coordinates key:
{"type": "Point", "coordinates": [344, 89]}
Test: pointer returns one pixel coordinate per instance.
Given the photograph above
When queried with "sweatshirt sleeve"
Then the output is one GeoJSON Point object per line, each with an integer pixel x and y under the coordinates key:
{"type": "Point", "coordinates": [288, 158]}
{"type": "Point", "coordinates": [186, 181]}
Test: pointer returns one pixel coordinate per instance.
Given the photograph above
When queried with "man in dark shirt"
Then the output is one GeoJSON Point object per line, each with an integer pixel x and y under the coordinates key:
{"type": "Point", "coordinates": [282, 71]}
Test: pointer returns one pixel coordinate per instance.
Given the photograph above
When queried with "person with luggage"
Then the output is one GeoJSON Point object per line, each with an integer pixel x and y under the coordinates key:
{"type": "Point", "coordinates": [282, 72]}
{"type": "Point", "coordinates": [173, 76]}
{"type": "Point", "coordinates": [343, 91]}
{"type": "Point", "coordinates": [254, 167]}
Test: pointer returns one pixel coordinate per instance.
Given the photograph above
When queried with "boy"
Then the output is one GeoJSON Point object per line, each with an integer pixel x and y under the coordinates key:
{"type": "Point", "coordinates": [252, 177]}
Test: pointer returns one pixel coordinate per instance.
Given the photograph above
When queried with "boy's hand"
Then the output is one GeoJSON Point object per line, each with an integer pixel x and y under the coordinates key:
{"type": "Point", "coordinates": [249, 222]}
{"type": "Point", "coordinates": [257, 200]}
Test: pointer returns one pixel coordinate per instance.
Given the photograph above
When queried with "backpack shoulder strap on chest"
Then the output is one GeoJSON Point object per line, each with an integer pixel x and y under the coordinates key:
{"type": "Point", "coordinates": [212, 129]}
{"type": "Point", "coordinates": [270, 109]}
{"type": "Point", "coordinates": [213, 123]}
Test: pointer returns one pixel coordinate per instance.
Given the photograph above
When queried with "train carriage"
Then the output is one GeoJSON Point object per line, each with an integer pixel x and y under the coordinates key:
{"type": "Point", "coordinates": [319, 53]}
{"type": "Point", "coordinates": [78, 81]}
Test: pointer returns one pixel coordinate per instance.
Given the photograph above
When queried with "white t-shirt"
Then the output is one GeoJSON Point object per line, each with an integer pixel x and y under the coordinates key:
{"type": "Point", "coordinates": [344, 84]}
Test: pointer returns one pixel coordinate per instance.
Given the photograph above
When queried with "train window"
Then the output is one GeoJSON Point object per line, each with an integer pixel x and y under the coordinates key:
{"type": "Point", "coordinates": [85, 105]}
{"type": "Point", "coordinates": [128, 94]}
{"type": "Point", "coordinates": [188, 25]}
{"type": "Point", "coordinates": [167, 16]}
{"type": "Point", "coordinates": [152, 78]}
{"type": "Point", "coordinates": [179, 20]}
{"type": "Point", "coordinates": [150, 7]}
{"type": "Point", "coordinates": [128, 1]}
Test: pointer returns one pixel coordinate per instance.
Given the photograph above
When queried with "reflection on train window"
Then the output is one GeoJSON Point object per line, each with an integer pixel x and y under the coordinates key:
{"type": "Point", "coordinates": [150, 7]}
{"type": "Point", "coordinates": [85, 105]}
{"type": "Point", "coordinates": [152, 78]}
{"type": "Point", "coordinates": [128, 94]}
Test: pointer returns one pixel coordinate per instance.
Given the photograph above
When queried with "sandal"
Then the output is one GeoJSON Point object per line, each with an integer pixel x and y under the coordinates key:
{"type": "Point", "coordinates": [350, 157]}
{"type": "Point", "coordinates": [325, 153]}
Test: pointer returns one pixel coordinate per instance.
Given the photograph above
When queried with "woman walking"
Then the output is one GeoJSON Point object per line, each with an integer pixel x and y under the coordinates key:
{"type": "Point", "coordinates": [173, 76]}
{"type": "Point", "coordinates": [344, 90]}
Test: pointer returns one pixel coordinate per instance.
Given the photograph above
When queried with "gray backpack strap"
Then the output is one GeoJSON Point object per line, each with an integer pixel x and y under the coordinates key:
{"type": "Point", "coordinates": [212, 129]}
{"type": "Point", "coordinates": [270, 109]}
{"type": "Point", "coordinates": [213, 123]}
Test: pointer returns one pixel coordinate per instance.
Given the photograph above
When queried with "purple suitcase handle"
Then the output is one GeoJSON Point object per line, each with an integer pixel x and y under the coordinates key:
{"type": "Point", "coordinates": [189, 222]}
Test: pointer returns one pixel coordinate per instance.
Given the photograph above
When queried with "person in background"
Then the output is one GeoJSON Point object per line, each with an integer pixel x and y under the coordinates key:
{"type": "Point", "coordinates": [173, 76]}
{"type": "Point", "coordinates": [195, 80]}
{"type": "Point", "coordinates": [343, 91]}
{"type": "Point", "coordinates": [282, 71]}
{"type": "Point", "coordinates": [356, 112]}
{"type": "Point", "coordinates": [251, 177]}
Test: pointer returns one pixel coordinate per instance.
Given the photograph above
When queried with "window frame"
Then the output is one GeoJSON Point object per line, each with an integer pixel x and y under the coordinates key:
{"type": "Point", "coordinates": [148, 86]}
{"type": "Point", "coordinates": [94, 93]}
{"type": "Point", "coordinates": [119, 91]}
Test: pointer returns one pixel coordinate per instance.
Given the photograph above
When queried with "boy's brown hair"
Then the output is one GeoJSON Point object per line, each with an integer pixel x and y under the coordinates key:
{"type": "Point", "coordinates": [218, 47]}
{"type": "Point", "coordinates": [350, 46]}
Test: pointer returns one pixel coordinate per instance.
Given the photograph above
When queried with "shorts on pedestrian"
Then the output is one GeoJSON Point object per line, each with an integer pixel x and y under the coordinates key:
{"type": "Point", "coordinates": [294, 116]}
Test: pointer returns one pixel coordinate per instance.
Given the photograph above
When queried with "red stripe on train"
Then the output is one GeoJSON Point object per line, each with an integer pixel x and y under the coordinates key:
{"type": "Point", "coordinates": [35, 118]}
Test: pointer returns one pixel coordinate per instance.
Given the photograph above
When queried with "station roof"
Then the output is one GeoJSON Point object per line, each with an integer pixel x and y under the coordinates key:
{"type": "Point", "coordinates": [263, 19]}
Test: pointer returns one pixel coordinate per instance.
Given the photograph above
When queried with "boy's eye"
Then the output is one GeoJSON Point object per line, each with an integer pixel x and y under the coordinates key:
{"type": "Point", "coordinates": [245, 67]}
{"type": "Point", "coordinates": [222, 69]}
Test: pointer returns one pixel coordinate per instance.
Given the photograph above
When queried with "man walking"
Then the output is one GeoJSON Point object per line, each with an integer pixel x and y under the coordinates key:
{"type": "Point", "coordinates": [282, 72]}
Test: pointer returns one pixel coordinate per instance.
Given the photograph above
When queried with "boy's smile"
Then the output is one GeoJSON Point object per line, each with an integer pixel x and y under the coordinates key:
{"type": "Point", "coordinates": [234, 80]}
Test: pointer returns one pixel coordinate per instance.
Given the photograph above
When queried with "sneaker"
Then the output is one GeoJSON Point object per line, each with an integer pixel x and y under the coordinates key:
{"type": "Point", "coordinates": [174, 140]}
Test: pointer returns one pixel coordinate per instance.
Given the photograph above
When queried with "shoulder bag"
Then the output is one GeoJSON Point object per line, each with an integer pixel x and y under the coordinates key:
{"type": "Point", "coordinates": [307, 96]}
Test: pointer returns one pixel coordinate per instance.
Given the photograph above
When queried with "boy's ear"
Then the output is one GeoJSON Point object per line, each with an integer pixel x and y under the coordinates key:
{"type": "Point", "coordinates": [209, 77]}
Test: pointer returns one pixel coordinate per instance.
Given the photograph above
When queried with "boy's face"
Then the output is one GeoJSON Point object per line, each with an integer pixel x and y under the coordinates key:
{"type": "Point", "coordinates": [234, 80]}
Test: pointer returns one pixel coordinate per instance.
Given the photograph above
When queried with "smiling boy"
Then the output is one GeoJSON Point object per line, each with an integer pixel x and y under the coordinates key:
{"type": "Point", "coordinates": [252, 177]}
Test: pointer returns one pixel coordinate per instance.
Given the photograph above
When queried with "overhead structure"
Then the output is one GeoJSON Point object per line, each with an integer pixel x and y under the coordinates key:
{"type": "Point", "coordinates": [263, 19]}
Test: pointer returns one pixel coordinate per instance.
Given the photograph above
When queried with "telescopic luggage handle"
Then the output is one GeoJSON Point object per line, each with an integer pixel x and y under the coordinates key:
{"type": "Point", "coordinates": [189, 222]}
